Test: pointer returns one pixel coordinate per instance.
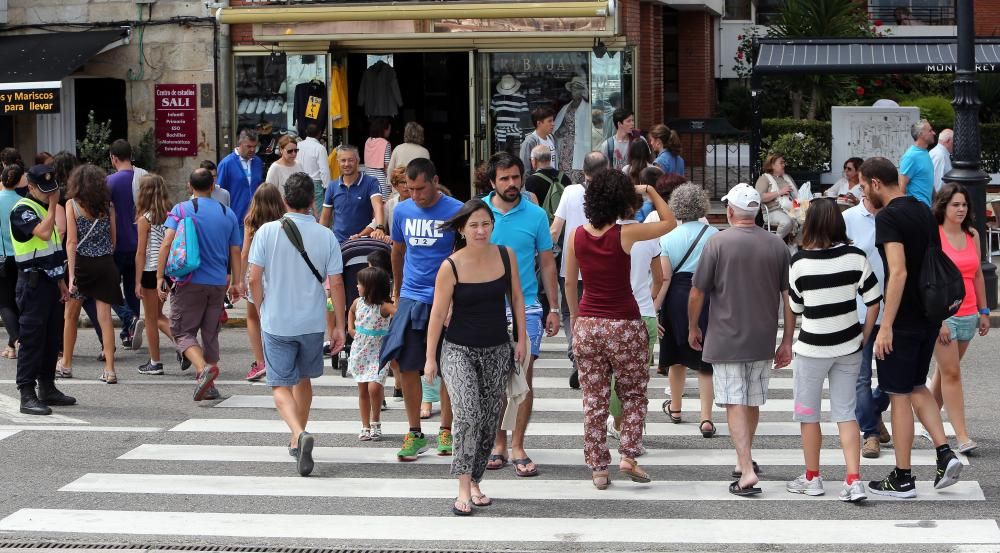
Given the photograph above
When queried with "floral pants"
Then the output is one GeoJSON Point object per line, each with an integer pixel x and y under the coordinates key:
{"type": "Point", "coordinates": [603, 347]}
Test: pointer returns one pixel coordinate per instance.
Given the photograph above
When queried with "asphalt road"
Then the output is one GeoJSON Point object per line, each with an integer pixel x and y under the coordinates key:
{"type": "Point", "coordinates": [101, 477]}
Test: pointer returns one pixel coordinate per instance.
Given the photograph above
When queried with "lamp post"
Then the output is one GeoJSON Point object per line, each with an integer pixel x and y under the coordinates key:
{"type": "Point", "coordinates": [966, 157]}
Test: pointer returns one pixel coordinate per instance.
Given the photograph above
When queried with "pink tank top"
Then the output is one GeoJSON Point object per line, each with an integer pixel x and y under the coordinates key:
{"type": "Point", "coordinates": [606, 271]}
{"type": "Point", "coordinates": [968, 263]}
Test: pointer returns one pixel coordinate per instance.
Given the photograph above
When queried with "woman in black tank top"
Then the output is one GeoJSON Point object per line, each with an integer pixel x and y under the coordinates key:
{"type": "Point", "coordinates": [478, 356]}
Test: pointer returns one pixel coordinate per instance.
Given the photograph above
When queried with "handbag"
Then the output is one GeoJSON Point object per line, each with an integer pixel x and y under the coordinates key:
{"type": "Point", "coordinates": [504, 256]}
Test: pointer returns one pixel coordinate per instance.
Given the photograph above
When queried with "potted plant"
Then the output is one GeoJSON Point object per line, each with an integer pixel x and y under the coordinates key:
{"type": "Point", "coordinates": [806, 157]}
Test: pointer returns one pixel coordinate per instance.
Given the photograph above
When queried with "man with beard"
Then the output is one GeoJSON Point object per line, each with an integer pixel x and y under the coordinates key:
{"type": "Point", "coordinates": [523, 227]}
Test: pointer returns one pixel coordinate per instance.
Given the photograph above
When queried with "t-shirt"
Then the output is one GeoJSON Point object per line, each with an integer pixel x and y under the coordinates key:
{"type": "Point", "coordinates": [352, 205]}
{"type": "Point", "coordinates": [218, 230]}
{"type": "Point", "coordinates": [220, 195]}
{"type": "Point", "coordinates": [7, 200]}
{"type": "Point", "coordinates": [426, 244]}
{"type": "Point", "coordinates": [641, 277]}
{"type": "Point", "coordinates": [916, 164]}
{"type": "Point", "coordinates": [524, 229]}
{"type": "Point", "coordinates": [277, 174]}
{"type": "Point", "coordinates": [907, 221]}
{"type": "Point", "coordinates": [675, 244]}
{"type": "Point", "coordinates": [126, 232]}
{"type": "Point", "coordinates": [294, 301]}
{"type": "Point", "coordinates": [742, 272]}
{"type": "Point", "coordinates": [941, 159]}
{"type": "Point", "coordinates": [861, 230]}
{"type": "Point", "coordinates": [570, 210]}
{"type": "Point", "coordinates": [618, 154]}
{"type": "Point", "coordinates": [670, 163]}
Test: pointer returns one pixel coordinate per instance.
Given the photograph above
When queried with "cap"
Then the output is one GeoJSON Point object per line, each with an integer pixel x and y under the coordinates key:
{"type": "Point", "coordinates": [43, 177]}
{"type": "Point", "coordinates": [743, 196]}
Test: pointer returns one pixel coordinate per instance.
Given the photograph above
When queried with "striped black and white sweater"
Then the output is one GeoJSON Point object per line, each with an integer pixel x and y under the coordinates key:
{"type": "Point", "coordinates": [823, 288]}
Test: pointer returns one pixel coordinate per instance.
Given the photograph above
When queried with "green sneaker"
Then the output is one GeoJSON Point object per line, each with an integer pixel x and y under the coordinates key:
{"type": "Point", "coordinates": [412, 447]}
{"type": "Point", "coordinates": [444, 442]}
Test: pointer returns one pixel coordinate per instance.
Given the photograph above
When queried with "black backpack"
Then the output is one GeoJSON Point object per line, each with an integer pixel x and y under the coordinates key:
{"type": "Point", "coordinates": [941, 285]}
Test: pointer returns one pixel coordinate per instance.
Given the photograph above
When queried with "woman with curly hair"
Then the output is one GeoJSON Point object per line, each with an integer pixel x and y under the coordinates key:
{"type": "Point", "coordinates": [609, 336]}
{"type": "Point", "coordinates": [90, 243]}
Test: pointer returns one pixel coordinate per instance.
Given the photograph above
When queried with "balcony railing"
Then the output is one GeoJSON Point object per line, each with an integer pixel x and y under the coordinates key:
{"type": "Point", "coordinates": [912, 12]}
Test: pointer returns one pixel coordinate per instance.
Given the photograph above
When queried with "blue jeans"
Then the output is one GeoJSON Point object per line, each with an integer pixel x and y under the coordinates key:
{"type": "Point", "coordinates": [870, 403]}
{"type": "Point", "coordinates": [565, 316]}
{"type": "Point", "coordinates": [129, 310]}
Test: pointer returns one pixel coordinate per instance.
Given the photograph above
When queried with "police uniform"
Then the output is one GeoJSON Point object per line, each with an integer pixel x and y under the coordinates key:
{"type": "Point", "coordinates": [42, 266]}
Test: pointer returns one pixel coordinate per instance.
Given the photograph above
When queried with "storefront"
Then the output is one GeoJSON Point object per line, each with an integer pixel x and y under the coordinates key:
{"type": "Point", "coordinates": [471, 78]}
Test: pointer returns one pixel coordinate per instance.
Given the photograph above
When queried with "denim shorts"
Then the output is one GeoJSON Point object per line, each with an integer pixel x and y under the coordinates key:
{"type": "Point", "coordinates": [290, 359]}
{"type": "Point", "coordinates": [534, 326]}
{"type": "Point", "coordinates": [964, 328]}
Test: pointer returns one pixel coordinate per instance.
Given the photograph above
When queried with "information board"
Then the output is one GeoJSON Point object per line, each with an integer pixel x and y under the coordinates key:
{"type": "Point", "coordinates": [177, 119]}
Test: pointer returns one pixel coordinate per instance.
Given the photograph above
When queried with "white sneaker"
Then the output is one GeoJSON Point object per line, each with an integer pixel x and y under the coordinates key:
{"type": "Point", "coordinates": [376, 434]}
{"type": "Point", "coordinates": [853, 493]}
{"type": "Point", "coordinates": [365, 435]}
{"type": "Point", "coordinates": [807, 487]}
{"type": "Point", "coordinates": [612, 432]}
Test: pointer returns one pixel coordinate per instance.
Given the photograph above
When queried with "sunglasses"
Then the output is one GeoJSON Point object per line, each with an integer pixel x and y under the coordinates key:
{"type": "Point", "coordinates": [295, 151]}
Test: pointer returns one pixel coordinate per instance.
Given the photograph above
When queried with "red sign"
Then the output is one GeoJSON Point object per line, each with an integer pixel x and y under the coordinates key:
{"type": "Point", "coordinates": [177, 119]}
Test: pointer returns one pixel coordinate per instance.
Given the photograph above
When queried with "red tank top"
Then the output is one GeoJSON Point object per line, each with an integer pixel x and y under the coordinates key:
{"type": "Point", "coordinates": [968, 263]}
{"type": "Point", "coordinates": [605, 269]}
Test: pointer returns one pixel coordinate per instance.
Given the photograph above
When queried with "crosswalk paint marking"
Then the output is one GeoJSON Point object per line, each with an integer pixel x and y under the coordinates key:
{"type": "Point", "coordinates": [275, 426]}
{"type": "Point", "coordinates": [541, 405]}
{"type": "Point", "coordinates": [499, 529]}
{"type": "Point", "coordinates": [544, 457]}
{"type": "Point", "coordinates": [52, 428]}
{"type": "Point", "coordinates": [7, 433]}
{"type": "Point", "coordinates": [426, 488]}
{"type": "Point", "coordinates": [10, 409]}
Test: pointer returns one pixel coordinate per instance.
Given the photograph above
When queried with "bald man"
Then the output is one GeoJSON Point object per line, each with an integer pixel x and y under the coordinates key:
{"type": "Point", "coordinates": [941, 156]}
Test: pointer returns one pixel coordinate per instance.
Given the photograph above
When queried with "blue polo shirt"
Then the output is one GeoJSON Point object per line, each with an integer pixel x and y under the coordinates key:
{"type": "Point", "coordinates": [524, 229]}
{"type": "Point", "coordinates": [916, 164]}
{"type": "Point", "coordinates": [352, 205]}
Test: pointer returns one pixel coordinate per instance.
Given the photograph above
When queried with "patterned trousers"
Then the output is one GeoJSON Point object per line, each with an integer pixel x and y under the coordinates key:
{"type": "Point", "coordinates": [477, 381]}
{"type": "Point", "coordinates": [603, 347]}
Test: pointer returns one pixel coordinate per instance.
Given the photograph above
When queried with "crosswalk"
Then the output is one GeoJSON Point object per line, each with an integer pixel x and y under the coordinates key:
{"type": "Point", "coordinates": [227, 473]}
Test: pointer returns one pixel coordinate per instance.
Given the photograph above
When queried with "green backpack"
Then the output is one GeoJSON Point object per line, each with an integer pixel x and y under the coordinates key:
{"type": "Point", "coordinates": [555, 193]}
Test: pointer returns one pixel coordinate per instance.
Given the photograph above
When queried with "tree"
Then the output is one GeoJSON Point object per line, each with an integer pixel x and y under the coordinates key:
{"type": "Point", "coordinates": [96, 143]}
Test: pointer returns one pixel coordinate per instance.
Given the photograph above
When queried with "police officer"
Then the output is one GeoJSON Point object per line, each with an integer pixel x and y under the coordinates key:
{"type": "Point", "coordinates": [41, 291]}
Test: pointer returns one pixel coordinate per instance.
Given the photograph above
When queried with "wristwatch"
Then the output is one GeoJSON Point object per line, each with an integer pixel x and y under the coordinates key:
{"type": "Point", "coordinates": [381, 228]}
{"type": "Point", "coordinates": [985, 311]}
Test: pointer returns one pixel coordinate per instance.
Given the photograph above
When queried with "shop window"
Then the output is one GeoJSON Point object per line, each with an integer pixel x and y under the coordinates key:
{"type": "Point", "coordinates": [281, 92]}
{"type": "Point", "coordinates": [739, 10]}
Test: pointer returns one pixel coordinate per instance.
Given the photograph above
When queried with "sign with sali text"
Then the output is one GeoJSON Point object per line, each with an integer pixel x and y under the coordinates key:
{"type": "Point", "coordinates": [176, 119]}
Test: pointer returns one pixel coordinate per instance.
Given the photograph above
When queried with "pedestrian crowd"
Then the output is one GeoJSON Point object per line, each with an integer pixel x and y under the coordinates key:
{"type": "Point", "coordinates": [454, 299]}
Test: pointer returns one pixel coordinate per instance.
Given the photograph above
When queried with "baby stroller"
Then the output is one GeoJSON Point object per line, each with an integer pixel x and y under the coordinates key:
{"type": "Point", "coordinates": [354, 254]}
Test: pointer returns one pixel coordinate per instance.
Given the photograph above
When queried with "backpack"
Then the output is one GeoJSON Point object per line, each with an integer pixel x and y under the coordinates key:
{"type": "Point", "coordinates": [551, 201]}
{"type": "Point", "coordinates": [941, 285]}
{"type": "Point", "coordinates": [185, 256]}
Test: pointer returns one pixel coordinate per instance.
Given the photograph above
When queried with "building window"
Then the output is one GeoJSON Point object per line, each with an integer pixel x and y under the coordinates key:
{"type": "Point", "coordinates": [768, 11]}
{"type": "Point", "coordinates": [738, 10]}
{"type": "Point", "coordinates": [912, 12]}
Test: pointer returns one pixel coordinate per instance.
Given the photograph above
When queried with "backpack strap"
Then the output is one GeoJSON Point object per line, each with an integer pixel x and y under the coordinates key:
{"type": "Point", "coordinates": [697, 239]}
{"type": "Point", "coordinates": [508, 281]}
{"type": "Point", "coordinates": [295, 238]}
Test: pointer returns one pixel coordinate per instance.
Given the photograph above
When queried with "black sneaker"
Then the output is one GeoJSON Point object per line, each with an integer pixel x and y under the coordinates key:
{"type": "Point", "coordinates": [127, 342]}
{"type": "Point", "coordinates": [327, 349]}
{"type": "Point", "coordinates": [894, 486]}
{"type": "Point", "coordinates": [150, 368]}
{"type": "Point", "coordinates": [212, 394]}
{"type": "Point", "coordinates": [31, 405]}
{"type": "Point", "coordinates": [949, 468]}
{"type": "Point", "coordinates": [574, 380]}
{"type": "Point", "coordinates": [184, 361]}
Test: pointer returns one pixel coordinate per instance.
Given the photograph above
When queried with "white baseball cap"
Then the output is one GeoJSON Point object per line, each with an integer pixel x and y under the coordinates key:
{"type": "Point", "coordinates": [743, 196]}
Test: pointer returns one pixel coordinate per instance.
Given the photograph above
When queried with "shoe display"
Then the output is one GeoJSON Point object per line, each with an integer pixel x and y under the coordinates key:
{"type": "Point", "coordinates": [256, 372]}
{"type": "Point", "coordinates": [376, 434]}
{"type": "Point", "coordinates": [412, 447]}
{"type": "Point", "coordinates": [852, 493]}
{"type": "Point", "coordinates": [243, 106]}
{"type": "Point", "coordinates": [808, 487]}
{"type": "Point", "coordinates": [949, 469]}
{"type": "Point", "coordinates": [871, 448]}
{"type": "Point", "coordinates": [894, 486]}
{"type": "Point", "coordinates": [445, 442]}
{"type": "Point", "coordinates": [150, 368]}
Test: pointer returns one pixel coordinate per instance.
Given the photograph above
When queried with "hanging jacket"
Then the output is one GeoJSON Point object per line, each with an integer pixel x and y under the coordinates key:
{"type": "Point", "coordinates": [379, 93]}
{"type": "Point", "coordinates": [310, 106]}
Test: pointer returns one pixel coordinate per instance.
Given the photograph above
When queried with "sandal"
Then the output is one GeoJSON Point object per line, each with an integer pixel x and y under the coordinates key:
{"type": "Point", "coordinates": [600, 479]}
{"type": "Point", "coordinates": [737, 473]}
{"type": "Point", "coordinates": [485, 501]}
{"type": "Point", "coordinates": [675, 416]}
{"type": "Point", "coordinates": [63, 371]}
{"type": "Point", "coordinates": [707, 433]}
{"type": "Point", "coordinates": [493, 459]}
{"type": "Point", "coordinates": [108, 377]}
{"type": "Point", "coordinates": [524, 473]}
{"type": "Point", "coordinates": [735, 489]}
{"type": "Point", "coordinates": [634, 472]}
{"type": "Point", "coordinates": [464, 511]}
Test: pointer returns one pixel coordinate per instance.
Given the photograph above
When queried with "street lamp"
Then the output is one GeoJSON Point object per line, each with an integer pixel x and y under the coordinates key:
{"type": "Point", "coordinates": [966, 157]}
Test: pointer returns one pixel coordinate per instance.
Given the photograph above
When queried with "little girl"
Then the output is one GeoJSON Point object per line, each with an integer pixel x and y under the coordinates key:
{"type": "Point", "coordinates": [153, 205]}
{"type": "Point", "coordinates": [267, 205]}
{"type": "Point", "coordinates": [368, 323]}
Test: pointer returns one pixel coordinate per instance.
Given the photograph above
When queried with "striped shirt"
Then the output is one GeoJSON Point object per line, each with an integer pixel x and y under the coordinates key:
{"type": "Point", "coordinates": [823, 285]}
{"type": "Point", "coordinates": [153, 243]}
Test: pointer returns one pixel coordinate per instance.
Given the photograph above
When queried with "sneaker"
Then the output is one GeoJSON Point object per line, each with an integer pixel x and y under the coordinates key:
{"type": "Point", "coordinates": [365, 435]}
{"type": "Point", "coordinates": [949, 469]}
{"type": "Point", "coordinates": [138, 327]}
{"type": "Point", "coordinates": [445, 442]}
{"type": "Point", "coordinates": [871, 449]}
{"type": "Point", "coordinates": [205, 381]}
{"type": "Point", "coordinates": [150, 368]}
{"type": "Point", "coordinates": [212, 393]}
{"type": "Point", "coordinates": [894, 486]}
{"type": "Point", "coordinates": [412, 447]}
{"type": "Point", "coordinates": [256, 372]}
{"type": "Point", "coordinates": [376, 432]}
{"type": "Point", "coordinates": [397, 394]}
{"type": "Point", "coordinates": [807, 487]}
{"type": "Point", "coordinates": [883, 433]}
{"type": "Point", "coordinates": [852, 493]}
{"type": "Point", "coordinates": [968, 447]}
{"type": "Point", "coordinates": [126, 343]}
{"type": "Point", "coordinates": [184, 361]}
{"type": "Point", "coordinates": [612, 431]}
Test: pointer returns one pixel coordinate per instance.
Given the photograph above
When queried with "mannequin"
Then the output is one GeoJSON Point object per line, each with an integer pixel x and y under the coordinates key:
{"type": "Point", "coordinates": [573, 129]}
{"type": "Point", "coordinates": [509, 107]}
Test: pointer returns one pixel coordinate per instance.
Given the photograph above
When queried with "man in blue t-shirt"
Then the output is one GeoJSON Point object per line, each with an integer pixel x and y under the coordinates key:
{"type": "Point", "coordinates": [916, 168]}
{"type": "Point", "coordinates": [196, 301]}
{"type": "Point", "coordinates": [419, 247]}
{"type": "Point", "coordinates": [523, 227]}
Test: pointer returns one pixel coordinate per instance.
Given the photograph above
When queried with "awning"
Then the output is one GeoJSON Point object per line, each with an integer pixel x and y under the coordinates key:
{"type": "Point", "coordinates": [852, 56]}
{"type": "Point", "coordinates": [41, 61]}
{"type": "Point", "coordinates": [417, 11]}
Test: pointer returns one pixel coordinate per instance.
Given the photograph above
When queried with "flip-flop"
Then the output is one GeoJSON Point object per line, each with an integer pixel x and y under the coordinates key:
{"type": "Point", "coordinates": [458, 512]}
{"type": "Point", "coordinates": [524, 473]}
{"type": "Point", "coordinates": [735, 489]}
{"type": "Point", "coordinates": [739, 474]}
{"type": "Point", "coordinates": [487, 503]}
{"type": "Point", "coordinates": [495, 457]}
